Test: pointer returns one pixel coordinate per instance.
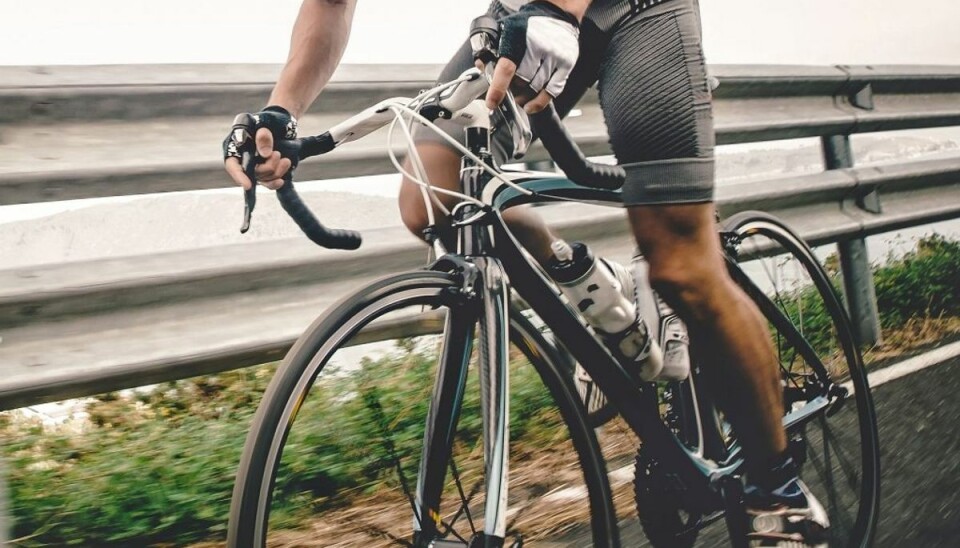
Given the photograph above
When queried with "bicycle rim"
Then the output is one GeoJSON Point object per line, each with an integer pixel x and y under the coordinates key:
{"type": "Point", "coordinates": [335, 453]}
{"type": "Point", "coordinates": [837, 448]}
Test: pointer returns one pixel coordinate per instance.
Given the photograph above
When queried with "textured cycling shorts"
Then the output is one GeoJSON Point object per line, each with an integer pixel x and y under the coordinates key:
{"type": "Point", "coordinates": [654, 93]}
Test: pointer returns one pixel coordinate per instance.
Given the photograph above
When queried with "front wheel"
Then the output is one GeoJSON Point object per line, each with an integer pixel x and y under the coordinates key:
{"type": "Point", "coordinates": [821, 368]}
{"type": "Point", "coordinates": [372, 418]}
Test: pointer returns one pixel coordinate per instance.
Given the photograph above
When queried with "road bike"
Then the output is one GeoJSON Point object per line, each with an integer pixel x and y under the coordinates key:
{"type": "Point", "coordinates": [414, 412]}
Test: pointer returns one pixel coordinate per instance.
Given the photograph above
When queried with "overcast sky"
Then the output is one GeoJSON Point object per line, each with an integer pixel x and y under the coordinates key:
{"type": "Point", "coordinates": [219, 31]}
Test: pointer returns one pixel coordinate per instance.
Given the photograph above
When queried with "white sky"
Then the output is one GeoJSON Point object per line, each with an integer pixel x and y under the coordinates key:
{"type": "Point", "coordinates": [257, 31]}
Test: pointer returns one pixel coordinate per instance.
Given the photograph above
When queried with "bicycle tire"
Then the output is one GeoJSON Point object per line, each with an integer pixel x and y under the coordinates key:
{"type": "Point", "coordinates": [256, 479]}
{"type": "Point", "coordinates": [801, 291]}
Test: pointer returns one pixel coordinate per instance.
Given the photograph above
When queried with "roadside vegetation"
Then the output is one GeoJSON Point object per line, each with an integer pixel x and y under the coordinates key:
{"type": "Point", "coordinates": [155, 467]}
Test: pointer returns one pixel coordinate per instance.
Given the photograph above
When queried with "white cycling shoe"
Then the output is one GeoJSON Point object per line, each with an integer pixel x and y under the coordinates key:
{"type": "Point", "coordinates": [790, 517]}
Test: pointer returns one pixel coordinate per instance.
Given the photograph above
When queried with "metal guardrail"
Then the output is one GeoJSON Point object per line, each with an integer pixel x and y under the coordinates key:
{"type": "Point", "coordinates": [82, 328]}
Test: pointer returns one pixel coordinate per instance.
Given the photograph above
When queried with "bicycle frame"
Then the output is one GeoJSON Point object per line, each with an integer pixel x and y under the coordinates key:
{"type": "Point", "coordinates": [493, 254]}
{"type": "Point", "coordinates": [488, 254]}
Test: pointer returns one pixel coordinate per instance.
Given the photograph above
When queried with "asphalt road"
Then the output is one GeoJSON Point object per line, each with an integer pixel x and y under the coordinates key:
{"type": "Point", "coordinates": [920, 458]}
{"type": "Point", "coordinates": [918, 417]}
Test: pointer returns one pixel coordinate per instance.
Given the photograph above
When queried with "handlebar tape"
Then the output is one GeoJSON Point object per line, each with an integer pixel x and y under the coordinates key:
{"type": "Point", "coordinates": [316, 145]}
{"type": "Point", "coordinates": [290, 200]}
{"type": "Point", "coordinates": [325, 237]}
{"type": "Point", "coordinates": [568, 156]}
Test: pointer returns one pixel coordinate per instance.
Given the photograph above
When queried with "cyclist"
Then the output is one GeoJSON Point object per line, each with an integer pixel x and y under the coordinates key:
{"type": "Point", "coordinates": [647, 59]}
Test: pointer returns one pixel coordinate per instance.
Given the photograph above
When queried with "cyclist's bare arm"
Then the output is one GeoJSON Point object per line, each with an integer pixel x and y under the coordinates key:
{"type": "Point", "coordinates": [318, 41]}
{"type": "Point", "coordinates": [319, 38]}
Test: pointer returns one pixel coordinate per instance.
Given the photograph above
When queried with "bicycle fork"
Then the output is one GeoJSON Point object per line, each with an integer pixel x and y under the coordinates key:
{"type": "Point", "coordinates": [494, 397]}
{"type": "Point", "coordinates": [485, 289]}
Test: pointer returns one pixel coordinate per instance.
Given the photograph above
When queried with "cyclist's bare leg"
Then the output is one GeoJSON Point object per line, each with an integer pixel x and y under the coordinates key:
{"type": "Point", "coordinates": [686, 267]}
{"type": "Point", "coordinates": [442, 165]}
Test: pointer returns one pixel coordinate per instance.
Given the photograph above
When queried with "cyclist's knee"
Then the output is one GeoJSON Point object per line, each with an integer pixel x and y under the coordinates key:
{"type": "Point", "coordinates": [413, 212]}
{"type": "Point", "coordinates": [675, 284]}
{"type": "Point", "coordinates": [523, 219]}
{"type": "Point", "coordinates": [689, 286]}
{"type": "Point", "coordinates": [442, 170]}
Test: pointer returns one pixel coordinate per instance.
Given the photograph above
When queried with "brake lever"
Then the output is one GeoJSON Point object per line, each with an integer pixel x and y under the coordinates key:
{"type": "Point", "coordinates": [243, 126]}
{"type": "Point", "coordinates": [484, 40]}
{"type": "Point", "coordinates": [249, 202]}
{"type": "Point", "coordinates": [520, 131]}
{"type": "Point", "coordinates": [295, 150]}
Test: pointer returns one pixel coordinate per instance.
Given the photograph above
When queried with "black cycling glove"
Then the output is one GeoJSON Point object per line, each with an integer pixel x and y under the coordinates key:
{"type": "Point", "coordinates": [278, 120]}
{"type": "Point", "coordinates": [543, 41]}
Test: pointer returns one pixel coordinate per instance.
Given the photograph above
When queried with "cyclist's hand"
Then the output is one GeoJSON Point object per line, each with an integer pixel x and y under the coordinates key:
{"type": "Point", "coordinates": [271, 124]}
{"type": "Point", "coordinates": [538, 45]}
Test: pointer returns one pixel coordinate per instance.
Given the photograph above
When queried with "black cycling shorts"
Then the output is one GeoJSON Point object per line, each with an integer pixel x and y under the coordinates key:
{"type": "Point", "coordinates": [654, 94]}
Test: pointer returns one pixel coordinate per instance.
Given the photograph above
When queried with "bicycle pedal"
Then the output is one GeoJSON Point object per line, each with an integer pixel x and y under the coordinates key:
{"type": "Point", "coordinates": [838, 396]}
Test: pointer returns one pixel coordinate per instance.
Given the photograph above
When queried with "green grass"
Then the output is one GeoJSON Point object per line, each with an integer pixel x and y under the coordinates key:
{"type": "Point", "coordinates": [921, 285]}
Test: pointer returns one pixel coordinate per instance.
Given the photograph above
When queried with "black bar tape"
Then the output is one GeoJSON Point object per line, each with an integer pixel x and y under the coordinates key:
{"type": "Point", "coordinates": [308, 223]}
{"type": "Point", "coordinates": [317, 145]}
{"type": "Point", "coordinates": [568, 156]}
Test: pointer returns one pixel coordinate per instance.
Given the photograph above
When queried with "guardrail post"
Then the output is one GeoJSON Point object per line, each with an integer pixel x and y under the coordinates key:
{"type": "Point", "coordinates": [858, 286]}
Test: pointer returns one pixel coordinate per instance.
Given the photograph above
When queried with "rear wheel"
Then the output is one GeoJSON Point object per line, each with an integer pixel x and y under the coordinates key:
{"type": "Point", "coordinates": [336, 450]}
{"type": "Point", "coordinates": [837, 446]}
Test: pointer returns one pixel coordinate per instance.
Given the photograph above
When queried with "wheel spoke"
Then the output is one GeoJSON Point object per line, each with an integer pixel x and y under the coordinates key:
{"type": "Point", "coordinates": [846, 462]}
{"type": "Point", "coordinates": [372, 401]}
{"type": "Point", "coordinates": [839, 520]}
{"type": "Point", "coordinates": [464, 500]}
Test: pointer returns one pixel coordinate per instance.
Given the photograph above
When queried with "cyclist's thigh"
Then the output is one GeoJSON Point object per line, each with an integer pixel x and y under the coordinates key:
{"type": "Point", "coordinates": [657, 105]}
{"type": "Point", "coordinates": [440, 160]}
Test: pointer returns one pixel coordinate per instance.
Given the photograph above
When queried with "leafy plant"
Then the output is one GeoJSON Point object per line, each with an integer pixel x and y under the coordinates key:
{"type": "Point", "coordinates": [923, 283]}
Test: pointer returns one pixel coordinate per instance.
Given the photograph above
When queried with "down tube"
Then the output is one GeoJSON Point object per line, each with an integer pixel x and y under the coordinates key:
{"type": "Point", "coordinates": [493, 345]}
{"type": "Point", "coordinates": [612, 379]}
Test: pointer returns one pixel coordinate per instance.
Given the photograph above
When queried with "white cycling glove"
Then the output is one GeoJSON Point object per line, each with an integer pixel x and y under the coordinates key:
{"type": "Point", "coordinates": [543, 41]}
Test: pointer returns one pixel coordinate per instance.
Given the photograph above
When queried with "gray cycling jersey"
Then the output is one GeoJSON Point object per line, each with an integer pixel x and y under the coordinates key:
{"type": "Point", "coordinates": [513, 5]}
{"type": "Point", "coordinates": [603, 14]}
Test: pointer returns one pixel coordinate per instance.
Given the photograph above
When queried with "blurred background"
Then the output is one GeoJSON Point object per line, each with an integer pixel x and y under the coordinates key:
{"type": "Point", "coordinates": [154, 465]}
{"type": "Point", "coordinates": [54, 32]}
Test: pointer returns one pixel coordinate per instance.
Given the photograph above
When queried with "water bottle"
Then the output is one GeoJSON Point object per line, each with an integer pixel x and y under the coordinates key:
{"type": "Point", "coordinates": [666, 326]}
{"type": "Point", "coordinates": [594, 288]}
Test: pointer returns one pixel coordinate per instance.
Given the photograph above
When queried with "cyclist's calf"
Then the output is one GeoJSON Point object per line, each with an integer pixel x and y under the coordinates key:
{"type": "Point", "coordinates": [686, 267]}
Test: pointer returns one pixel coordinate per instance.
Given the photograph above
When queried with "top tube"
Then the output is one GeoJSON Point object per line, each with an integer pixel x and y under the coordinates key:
{"type": "Point", "coordinates": [544, 188]}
